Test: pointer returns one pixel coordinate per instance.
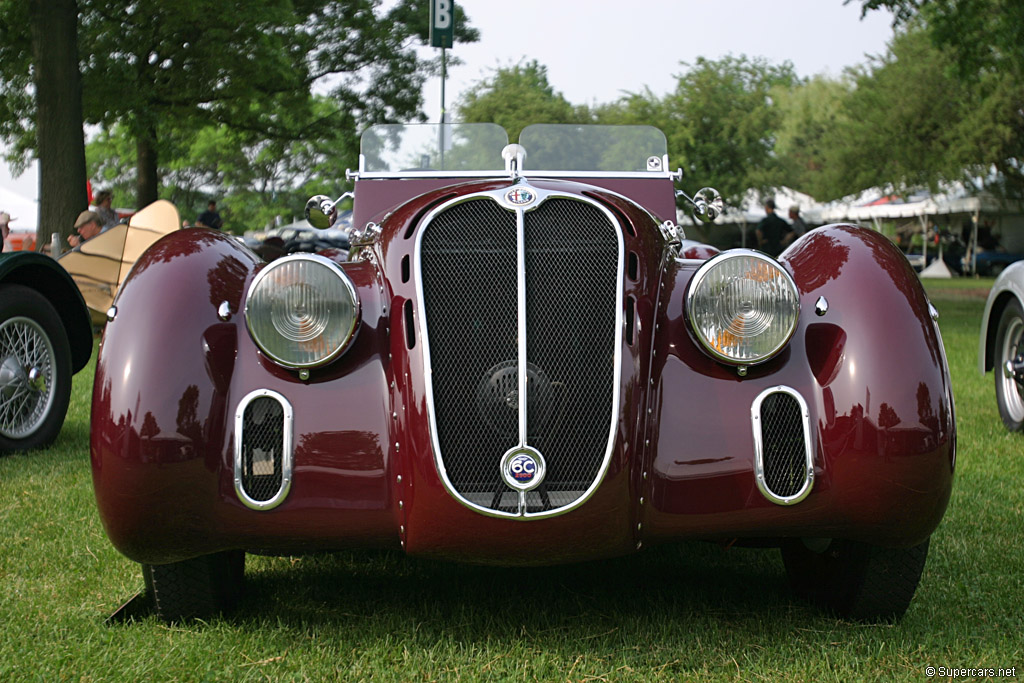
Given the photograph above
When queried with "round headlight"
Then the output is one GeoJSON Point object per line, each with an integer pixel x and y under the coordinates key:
{"type": "Point", "coordinates": [302, 310]}
{"type": "Point", "coordinates": [743, 307]}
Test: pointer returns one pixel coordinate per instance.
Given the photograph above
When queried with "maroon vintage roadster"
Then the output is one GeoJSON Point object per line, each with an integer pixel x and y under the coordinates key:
{"type": "Point", "coordinates": [521, 360]}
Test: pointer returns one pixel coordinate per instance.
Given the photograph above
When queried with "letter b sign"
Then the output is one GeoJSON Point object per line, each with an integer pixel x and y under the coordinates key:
{"type": "Point", "coordinates": [442, 23]}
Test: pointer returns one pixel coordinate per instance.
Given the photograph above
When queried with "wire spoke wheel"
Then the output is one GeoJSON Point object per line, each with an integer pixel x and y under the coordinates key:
{"type": "Point", "coordinates": [27, 360]}
{"type": "Point", "coordinates": [35, 369]}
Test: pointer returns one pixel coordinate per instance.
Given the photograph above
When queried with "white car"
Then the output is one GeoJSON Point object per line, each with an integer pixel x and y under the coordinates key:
{"type": "Point", "coordinates": [1001, 347]}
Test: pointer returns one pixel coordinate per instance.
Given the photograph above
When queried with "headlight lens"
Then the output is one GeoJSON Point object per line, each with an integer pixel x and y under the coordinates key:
{"type": "Point", "coordinates": [302, 310]}
{"type": "Point", "coordinates": [743, 307]}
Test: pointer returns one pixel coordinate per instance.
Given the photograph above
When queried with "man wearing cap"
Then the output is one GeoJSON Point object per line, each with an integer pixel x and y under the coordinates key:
{"type": "Point", "coordinates": [5, 230]}
{"type": "Point", "coordinates": [88, 224]}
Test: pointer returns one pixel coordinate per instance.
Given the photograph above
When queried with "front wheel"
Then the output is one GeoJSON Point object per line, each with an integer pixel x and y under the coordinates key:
{"type": "Point", "coordinates": [35, 370]}
{"type": "Point", "coordinates": [196, 588]}
{"type": "Point", "coordinates": [855, 580]}
{"type": "Point", "coordinates": [1010, 353]}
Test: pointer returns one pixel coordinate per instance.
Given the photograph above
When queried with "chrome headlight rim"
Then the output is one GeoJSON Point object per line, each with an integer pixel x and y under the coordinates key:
{"type": "Point", "coordinates": [705, 269]}
{"type": "Point", "coordinates": [350, 333]}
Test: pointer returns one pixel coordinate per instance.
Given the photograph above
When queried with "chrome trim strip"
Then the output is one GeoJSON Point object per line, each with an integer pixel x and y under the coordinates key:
{"type": "Point", "coordinates": [524, 173]}
{"type": "Point", "coordinates": [521, 315]}
{"type": "Point", "coordinates": [521, 332]}
{"type": "Point", "coordinates": [499, 197]}
{"type": "Point", "coordinates": [755, 418]}
{"type": "Point", "coordinates": [286, 450]}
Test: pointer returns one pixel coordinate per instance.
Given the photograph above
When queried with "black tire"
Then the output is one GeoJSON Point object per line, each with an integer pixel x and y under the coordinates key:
{"type": "Point", "coordinates": [198, 588]}
{"type": "Point", "coordinates": [855, 580]}
{"type": "Point", "coordinates": [35, 370]}
{"type": "Point", "coordinates": [1008, 346]}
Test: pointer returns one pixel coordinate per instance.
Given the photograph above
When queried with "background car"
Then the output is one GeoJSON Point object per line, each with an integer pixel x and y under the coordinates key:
{"type": "Point", "coordinates": [45, 338]}
{"type": "Point", "coordinates": [1001, 343]}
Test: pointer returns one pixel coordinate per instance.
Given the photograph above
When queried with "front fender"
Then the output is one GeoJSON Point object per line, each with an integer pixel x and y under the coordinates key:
{"type": "Point", "coordinates": [873, 373]}
{"type": "Point", "coordinates": [171, 374]}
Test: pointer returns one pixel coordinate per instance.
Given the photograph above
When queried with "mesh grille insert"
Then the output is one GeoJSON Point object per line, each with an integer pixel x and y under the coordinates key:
{"type": "Point", "coordinates": [784, 445]}
{"type": "Point", "coordinates": [262, 448]}
{"type": "Point", "coordinates": [469, 270]}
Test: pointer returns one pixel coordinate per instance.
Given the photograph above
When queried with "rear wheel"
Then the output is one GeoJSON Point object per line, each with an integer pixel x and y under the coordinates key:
{"type": "Point", "coordinates": [855, 580]}
{"type": "Point", "coordinates": [35, 370]}
{"type": "Point", "coordinates": [196, 588]}
{"type": "Point", "coordinates": [1010, 350]}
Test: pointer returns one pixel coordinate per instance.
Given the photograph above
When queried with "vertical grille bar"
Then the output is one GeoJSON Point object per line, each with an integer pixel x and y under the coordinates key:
{"type": "Point", "coordinates": [470, 265]}
{"type": "Point", "coordinates": [783, 457]}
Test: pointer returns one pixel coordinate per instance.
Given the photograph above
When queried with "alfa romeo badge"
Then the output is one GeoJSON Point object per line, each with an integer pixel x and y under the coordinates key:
{"type": "Point", "coordinates": [520, 196]}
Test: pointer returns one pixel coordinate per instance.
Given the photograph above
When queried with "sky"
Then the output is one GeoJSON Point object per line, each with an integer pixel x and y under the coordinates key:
{"type": "Point", "coordinates": [596, 50]}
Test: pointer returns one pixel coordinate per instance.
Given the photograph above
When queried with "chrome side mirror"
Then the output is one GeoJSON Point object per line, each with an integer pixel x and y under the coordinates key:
{"type": "Point", "coordinates": [322, 211]}
{"type": "Point", "coordinates": [707, 204]}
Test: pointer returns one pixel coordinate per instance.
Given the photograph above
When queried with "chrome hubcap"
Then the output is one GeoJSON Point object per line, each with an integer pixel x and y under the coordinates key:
{"type": "Point", "coordinates": [1009, 354]}
{"type": "Point", "coordinates": [26, 377]}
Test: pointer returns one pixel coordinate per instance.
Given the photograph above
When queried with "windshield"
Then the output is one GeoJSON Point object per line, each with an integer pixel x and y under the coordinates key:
{"type": "Point", "coordinates": [393, 148]}
{"type": "Point", "coordinates": [427, 149]}
{"type": "Point", "coordinates": [563, 147]}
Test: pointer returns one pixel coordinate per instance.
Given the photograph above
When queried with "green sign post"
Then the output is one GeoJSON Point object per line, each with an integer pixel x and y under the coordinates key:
{"type": "Point", "coordinates": [442, 35]}
{"type": "Point", "coordinates": [442, 23]}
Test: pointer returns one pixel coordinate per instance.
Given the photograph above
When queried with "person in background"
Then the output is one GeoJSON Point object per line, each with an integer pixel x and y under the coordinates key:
{"type": "Point", "coordinates": [5, 229]}
{"type": "Point", "coordinates": [210, 218]}
{"type": "Point", "coordinates": [108, 217]}
{"type": "Point", "coordinates": [88, 225]}
{"type": "Point", "coordinates": [797, 224]}
{"type": "Point", "coordinates": [772, 231]}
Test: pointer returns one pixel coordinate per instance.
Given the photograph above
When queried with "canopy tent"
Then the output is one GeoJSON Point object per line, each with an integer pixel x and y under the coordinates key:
{"type": "Point", "coordinates": [21, 208]}
{"type": "Point", "coordinates": [955, 204]}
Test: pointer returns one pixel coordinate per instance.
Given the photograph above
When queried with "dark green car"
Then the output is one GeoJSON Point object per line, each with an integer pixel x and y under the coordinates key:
{"type": "Point", "coordinates": [45, 338]}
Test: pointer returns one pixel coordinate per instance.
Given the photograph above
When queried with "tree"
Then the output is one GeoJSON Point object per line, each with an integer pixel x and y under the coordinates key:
{"type": "Point", "coordinates": [58, 115]}
{"type": "Point", "coordinates": [516, 96]}
{"type": "Point", "coordinates": [39, 59]}
{"type": "Point", "coordinates": [982, 34]}
{"type": "Point", "coordinates": [908, 122]}
{"type": "Point", "coordinates": [163, 71]}
{"type": "Point", "coordinates": [809, 115]}
{"type": "Point", "coordinates": [984, 42]}
{"type": "Point", "coordinates": [722, 120]}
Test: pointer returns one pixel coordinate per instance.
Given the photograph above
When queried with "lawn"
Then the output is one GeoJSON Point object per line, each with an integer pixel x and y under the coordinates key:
{"type": "Point", "coordinates": [688, 612]}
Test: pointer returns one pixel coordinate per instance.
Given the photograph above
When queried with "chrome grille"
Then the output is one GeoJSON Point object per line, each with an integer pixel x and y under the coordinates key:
{"type": "Point", "coordinates": [469, 276]}
{"type": "Point", "coordinates": [784, 464]}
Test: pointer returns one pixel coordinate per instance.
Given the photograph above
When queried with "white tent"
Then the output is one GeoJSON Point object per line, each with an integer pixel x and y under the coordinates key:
{"type": "Point", "coordinates": [23, 209]}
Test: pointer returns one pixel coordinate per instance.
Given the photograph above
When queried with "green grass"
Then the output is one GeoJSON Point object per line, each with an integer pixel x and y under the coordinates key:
{"type": "Point", "coordinates": [688, 612]}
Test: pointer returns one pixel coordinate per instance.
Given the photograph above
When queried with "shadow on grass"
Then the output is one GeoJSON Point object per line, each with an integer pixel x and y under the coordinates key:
{"type": "Point", "coordinates": [690, 582]}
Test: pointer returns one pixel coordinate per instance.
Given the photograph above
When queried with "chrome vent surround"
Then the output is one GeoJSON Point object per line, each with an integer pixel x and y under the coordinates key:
{"type": "Point", "coordinates": [784, 465]}
{"type": "Point", "coordinates": [509, 292]}
{"type": "Point", "coordinates": [263, 449]}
